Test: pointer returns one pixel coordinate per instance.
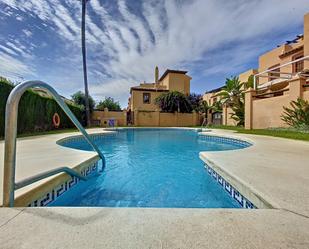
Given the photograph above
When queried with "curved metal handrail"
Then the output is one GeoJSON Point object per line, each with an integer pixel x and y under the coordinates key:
{"type": "Point", "coordinates": [11, 114]}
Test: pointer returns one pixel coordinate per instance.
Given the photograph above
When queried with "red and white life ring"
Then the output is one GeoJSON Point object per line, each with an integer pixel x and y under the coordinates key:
{"type": "Point", "coordinates": [56, 120]}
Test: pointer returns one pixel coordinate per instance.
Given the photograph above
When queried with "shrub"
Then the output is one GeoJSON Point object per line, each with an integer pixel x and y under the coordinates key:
{"type": "Point", "coordinates": [173, 102]}
{"type": "Point", "coordinates": [298, 115]}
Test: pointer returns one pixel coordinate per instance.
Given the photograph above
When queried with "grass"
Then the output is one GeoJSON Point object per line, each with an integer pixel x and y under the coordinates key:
{"type": "Point", "coordinates": [278, 132]}
{"type": "Point", "coordinates": [39, 133]}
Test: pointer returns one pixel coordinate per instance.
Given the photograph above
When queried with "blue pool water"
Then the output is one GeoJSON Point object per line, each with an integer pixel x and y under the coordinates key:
{"type": "Point", "coordinates": [151, 168]}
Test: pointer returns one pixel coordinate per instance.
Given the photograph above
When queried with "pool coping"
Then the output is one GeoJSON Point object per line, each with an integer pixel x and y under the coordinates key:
{"type": "Point", "coordinates": [249, 192]}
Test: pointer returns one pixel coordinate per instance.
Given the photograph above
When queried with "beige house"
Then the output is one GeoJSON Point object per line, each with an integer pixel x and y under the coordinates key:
{"type": "Point", "coordinates": [143, 96]}
{"type": "Point", "coordinates": [142, 110]}
{"type": "Point", "coordinates": [282, 77]}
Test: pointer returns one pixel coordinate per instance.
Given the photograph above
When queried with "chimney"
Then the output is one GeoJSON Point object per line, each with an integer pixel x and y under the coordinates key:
{"type": "Point", "coordinates": [156, 75]}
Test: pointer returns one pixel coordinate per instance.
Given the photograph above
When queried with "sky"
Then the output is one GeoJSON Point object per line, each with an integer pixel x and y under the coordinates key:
{"type": "Point", "coordinates": [211, 39]}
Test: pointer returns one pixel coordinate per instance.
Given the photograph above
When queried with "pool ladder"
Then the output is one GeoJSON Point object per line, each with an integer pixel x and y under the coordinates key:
{"type": "Point", "coordinates": [11, 114]}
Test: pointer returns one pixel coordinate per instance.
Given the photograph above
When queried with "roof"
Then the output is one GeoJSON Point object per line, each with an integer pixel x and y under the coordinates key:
{"type": "Point", "coordinates": [171, 71]}
{"type": "Point", "coordinates": [151, 88]}
{"type": "Point", "coordinates": [215, 90]}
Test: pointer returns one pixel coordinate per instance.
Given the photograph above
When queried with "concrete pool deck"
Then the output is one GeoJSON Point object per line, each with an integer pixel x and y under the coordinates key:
{"type": "Point", "coordinates": [275, 168]}
{"type": "Point", "coordinates": [40, 153]}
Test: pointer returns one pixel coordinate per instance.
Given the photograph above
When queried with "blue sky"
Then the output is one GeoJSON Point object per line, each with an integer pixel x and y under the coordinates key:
{"type": "Point", "coordinates": [212, 39]}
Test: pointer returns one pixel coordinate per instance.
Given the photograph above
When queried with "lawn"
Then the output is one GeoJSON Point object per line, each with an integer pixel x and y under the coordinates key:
{"type": "Point", "coordinates": [39, 133]}
{"type": "Point", "coordinates": [285, 133]}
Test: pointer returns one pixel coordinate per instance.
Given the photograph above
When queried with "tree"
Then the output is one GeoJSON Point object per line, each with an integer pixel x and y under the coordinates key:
{"type": "Point", "coordinates": [110, 104]}
{"type": "Point", "coordinates": [204, 106]}
{"type": "Point", "coordinates": [173, 101]}
{"type": "Point", "coordinates": [79, 98]}
{"type": "Point", "coordinates": [195, 101]}
{"type": "Point", "coordinates": [83, 40]}
{"type": "Point", "coordinates": [232, 95]}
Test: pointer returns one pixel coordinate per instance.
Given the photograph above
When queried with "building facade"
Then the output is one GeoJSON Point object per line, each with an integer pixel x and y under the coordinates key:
{"type": "Point", "coordinates": [142, 110]}
{"type": "Point", "coordinates": [282, 76]}
{"type": "Point", "coordinates": [143, 96]}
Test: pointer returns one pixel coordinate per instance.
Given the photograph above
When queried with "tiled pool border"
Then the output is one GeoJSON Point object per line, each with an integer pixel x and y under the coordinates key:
{"type": "Point", "coordinates": [62, 188]}
{"type": "Point", "coordinates": [222, 139]}
{"type": "Point", "coordinates": [231, 190]}
{"type": "Point", "coordinates": [49, 191]}
{"type": "Point", "coordinates": [202, 136]}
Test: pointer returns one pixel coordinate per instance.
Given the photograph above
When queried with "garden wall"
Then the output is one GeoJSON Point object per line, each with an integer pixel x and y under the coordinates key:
{"type": "Point", "coordinates": [164, 119]}
{"type": "Point", "coordinates": [101, 118]}
{"type": "Point", "coordinates": [266, 113]}
{"type": "Point", "coordinates": [35, 112]}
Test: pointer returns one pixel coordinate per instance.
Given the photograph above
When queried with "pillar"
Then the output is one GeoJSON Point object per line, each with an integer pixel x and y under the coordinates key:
{"type": "Point", "coordinates": [135, 117]}
{"type": "Point", "coordinates": [248, 108]}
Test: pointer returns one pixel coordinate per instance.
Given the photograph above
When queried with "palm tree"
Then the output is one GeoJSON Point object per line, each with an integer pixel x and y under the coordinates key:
{"type": "Point", "coordinates": [232, 92]}
{"type": "Point", "coordinates": [232, 95]}
{"type": "Point", "coordinates": [83, 39]}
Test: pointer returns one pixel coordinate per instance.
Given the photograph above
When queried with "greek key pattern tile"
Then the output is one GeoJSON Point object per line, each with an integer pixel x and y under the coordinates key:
{"type": "Point", "coordinates": [53, 194]}
{"type": "Point", "coordinates": [233, 192]}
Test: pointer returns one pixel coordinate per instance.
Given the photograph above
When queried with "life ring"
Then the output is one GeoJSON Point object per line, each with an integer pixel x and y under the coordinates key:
{"type": "Point", "coordinates": [56, 120]}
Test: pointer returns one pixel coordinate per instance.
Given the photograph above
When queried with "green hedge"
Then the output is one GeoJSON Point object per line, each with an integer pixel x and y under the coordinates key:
{"type": "Point", "coordinates": [35, 112]}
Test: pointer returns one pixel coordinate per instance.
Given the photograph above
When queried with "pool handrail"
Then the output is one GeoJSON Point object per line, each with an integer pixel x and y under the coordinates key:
{"type": "Point", "coordinates": [11, 114]}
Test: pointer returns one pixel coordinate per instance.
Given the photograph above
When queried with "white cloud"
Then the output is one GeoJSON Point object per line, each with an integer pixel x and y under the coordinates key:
{"type": "Point", "coordinates": [14, 68]}
{"type": "Point", "coordinates": [28, 33]}
{"type": "Point", "coordinates": [125, 45]}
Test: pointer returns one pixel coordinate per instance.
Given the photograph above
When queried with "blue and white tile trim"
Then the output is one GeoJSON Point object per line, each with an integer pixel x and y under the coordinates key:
{"type": "Point", "coordinates": [55, 193]}
{"type": "Point", "coordinates": [233, 192]}
{"type": "Point", "coordinates": [227, 140]}
{"type": "Point", "coordinates": [77, 139]}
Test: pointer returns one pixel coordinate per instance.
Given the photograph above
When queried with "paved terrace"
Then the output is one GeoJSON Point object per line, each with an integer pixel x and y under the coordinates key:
{"type": "Point", "coordinates": [276, 169]}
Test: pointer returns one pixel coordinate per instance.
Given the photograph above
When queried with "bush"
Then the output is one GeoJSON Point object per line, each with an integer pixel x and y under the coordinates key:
{"type": "Point", "coordinates": [35, 112]}
{"type": "Point", "coordinates": [298, 115]}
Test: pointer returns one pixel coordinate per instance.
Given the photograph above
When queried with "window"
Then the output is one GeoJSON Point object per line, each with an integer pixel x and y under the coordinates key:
{"type": "Point", "coordinates": [298, 66]}
{"type": "Point", "coordinates": [274, 74]}
{"type": "Point", "coordinates": [146, 98]}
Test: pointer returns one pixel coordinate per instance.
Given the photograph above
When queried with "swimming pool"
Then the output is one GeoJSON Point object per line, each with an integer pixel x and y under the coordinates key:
{"type": "Point", "coordinates": [151, 168]}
